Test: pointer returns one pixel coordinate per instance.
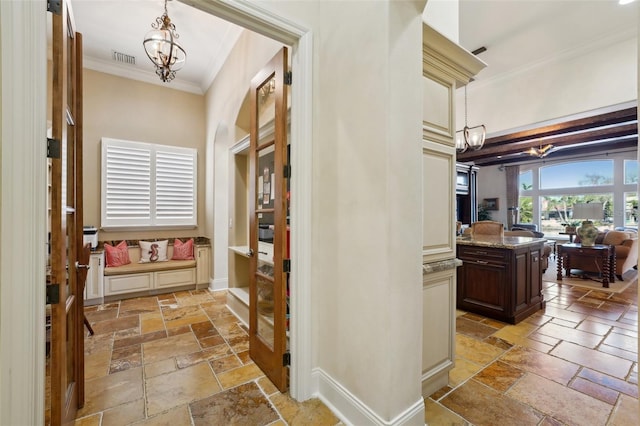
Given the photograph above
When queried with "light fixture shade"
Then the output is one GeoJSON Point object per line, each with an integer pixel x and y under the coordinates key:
{"type": "Point", "coordinates": [469, 137]}
{"type": "Point", "coordinates": [162, 48]}
{"type": "Point", "coordinates": [461, 143]}
{"type": "Point", "coordinates": [475, 136]}
{"type": "Point", "coordinates": [588, 211]}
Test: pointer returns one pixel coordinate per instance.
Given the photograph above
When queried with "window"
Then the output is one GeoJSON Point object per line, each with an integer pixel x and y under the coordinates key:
{"type": "Point", "coordinates": [147, 185]}
{"type": "Point", "coordinates": [548, 191]}
{"type": "Point", "coordinates": [576, 174]}
{"type": "Point", "coordinates": [525, 210]}
{"type": "Point", "coordinates": [557, 211]}
{"type": "Point", "coordinates": [631, 209]}
{"type": "Point", "coordinates": [630, 171]}
{"type": "Point", "coordinates": [525, 203]}
{"type": "Point", "coordinates": [526, 180]}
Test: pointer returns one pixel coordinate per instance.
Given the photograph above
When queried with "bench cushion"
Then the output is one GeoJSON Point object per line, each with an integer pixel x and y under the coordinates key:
{"type": "Point", "coordinates": [137, 268]}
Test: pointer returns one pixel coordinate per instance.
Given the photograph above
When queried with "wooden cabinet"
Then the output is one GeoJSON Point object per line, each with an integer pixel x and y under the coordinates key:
{"type": "Point", "coordinates": [93, 290]}
{"type": "Point", "coordinates": [203, 269]}
{"type": "Point", "coordinates": [504, 283]}
{"type": "Point", "coordinates": [446, 67]}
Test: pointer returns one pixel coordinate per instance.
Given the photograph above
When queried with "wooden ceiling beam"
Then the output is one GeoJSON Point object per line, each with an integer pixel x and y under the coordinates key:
{"type": "Point", "coordinates": [571, 151]}
{"type": "Point", "coordinates": [520, 145]}
{"type": "Point", "coordinates": [607, 119]}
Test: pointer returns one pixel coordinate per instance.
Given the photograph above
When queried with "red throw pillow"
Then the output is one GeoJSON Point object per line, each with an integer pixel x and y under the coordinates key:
{"type": "Point", "coordinates": [118, 255]}
{"type": "Point", "coordinates": [182, 251]}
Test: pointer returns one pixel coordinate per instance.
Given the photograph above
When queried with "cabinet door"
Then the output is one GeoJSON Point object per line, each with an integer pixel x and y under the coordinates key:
{"type": "Point", "coordinates": [482, 287]}
{"type": "Point", "coordinates": [93, 288]}
{"type": "Point", "coordinates": [535, 286]}
{"type": "Point", "coordinates": [521, 286]}
{"type": "Point", "coordinates": [202, 270]}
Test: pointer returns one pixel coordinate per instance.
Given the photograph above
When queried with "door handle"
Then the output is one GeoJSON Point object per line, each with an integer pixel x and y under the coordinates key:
{"type": "Point", "coordinates": [250, 253]}
{"type": "Point", "coordinates": [81, 266]}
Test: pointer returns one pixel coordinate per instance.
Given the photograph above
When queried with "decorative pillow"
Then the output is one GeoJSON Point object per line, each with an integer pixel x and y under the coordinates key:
{"type": "Point", "coordinates": [182, 251]}
{"type": "Point", "coordinates": [153, 251]}
{"type": "Point", "coordinates": [118, 255]}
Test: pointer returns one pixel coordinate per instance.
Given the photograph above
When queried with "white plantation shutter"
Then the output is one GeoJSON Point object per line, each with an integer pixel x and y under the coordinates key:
{"type": "Point", "coordinates": [147, 185]}
{"type": "Point", "coordinates": [126, 188]}
{"type": "Point", "coordinates": [175, 184]}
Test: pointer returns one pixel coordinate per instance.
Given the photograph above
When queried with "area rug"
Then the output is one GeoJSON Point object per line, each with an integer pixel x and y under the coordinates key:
{"type": "Point", "coordinates": [592, 281]}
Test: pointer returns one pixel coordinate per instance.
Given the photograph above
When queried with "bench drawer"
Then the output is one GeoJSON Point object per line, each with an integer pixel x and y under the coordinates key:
{"type": "Point", "coordinates": [175, 278]}
{"type": "Point", "coordinates": [127, 283]}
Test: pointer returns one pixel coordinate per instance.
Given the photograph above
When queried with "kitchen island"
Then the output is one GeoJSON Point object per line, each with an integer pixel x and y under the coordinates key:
{"type": "Point", "coordinates": [500, 277]}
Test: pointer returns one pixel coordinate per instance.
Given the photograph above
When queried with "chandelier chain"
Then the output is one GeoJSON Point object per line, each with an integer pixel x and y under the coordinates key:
{"type": "Point", "coordinates": [465, 106]}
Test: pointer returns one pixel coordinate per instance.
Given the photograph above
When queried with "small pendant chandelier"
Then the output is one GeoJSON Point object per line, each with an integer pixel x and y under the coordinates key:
{"type": "Point", "coordinates": [469, 137]}
{"type": "Point", "coordinates": [163, 50]}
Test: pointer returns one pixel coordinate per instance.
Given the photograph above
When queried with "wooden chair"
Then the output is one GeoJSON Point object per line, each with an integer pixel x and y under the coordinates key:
{"type": "Point", "coordinates": [488, 228]}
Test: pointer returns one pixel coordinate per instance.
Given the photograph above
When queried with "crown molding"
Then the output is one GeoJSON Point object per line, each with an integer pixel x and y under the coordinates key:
{"type": "Point", "coordinates": [449, 57]}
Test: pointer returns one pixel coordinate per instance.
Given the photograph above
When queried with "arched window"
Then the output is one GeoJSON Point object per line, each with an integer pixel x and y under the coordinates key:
{"type": "Point", "coordinates": [548, 192]}
{"type": "Point", "coordinates": [577, 174]}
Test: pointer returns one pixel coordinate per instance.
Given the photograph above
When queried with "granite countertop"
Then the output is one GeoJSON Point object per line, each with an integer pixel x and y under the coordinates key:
{"type": "Point", "coordinates": [498, 242]}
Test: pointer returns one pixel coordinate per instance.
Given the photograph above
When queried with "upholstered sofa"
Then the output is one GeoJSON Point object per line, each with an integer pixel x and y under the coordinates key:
{"type": "Point", "coordinates": [626, 249]}
{"type": "Point", "coordinates": [527, 227]}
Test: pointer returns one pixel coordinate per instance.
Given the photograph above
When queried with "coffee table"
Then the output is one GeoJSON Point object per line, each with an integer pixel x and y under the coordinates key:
{"type": "Point", "coordinates": [606, 253]}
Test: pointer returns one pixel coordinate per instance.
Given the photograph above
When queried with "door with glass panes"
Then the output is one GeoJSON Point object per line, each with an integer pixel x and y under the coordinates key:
{"type": "Point", "coordinates": [68, 257]}
{"type": "Point", "coordinates": [269, 205]}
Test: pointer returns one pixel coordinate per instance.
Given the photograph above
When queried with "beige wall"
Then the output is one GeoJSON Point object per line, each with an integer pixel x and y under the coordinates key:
{"type": "Point", "coordinates": [126, 109]}
{"type": "Point", "coordinates": [224, 101]}
{"type": "Point", "coordinates": [443, 16]}
{"type": "Point", "coordinates": [605, 75]}
{"type": "Point", "coordinates": [366, 215]}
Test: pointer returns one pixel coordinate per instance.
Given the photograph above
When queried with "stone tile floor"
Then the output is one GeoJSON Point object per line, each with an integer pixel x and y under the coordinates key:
{"type": "Point", "coordinates": [182, 359]}
{"type": "Point", "coordinates": [575, 363]}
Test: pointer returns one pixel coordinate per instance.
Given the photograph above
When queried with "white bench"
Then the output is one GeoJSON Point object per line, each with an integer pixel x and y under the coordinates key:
{"type": "Point", "coordinates": [156, 277]}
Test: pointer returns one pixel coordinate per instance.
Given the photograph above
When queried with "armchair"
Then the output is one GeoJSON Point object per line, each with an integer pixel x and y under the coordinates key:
{"type": "Point", "coordinates": [626, 248]}
{"type": "Point", "coordinates": [487, 227]}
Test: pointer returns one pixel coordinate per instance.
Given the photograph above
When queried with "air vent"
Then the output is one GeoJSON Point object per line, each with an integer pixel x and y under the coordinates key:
{"type": "Point", "coordinates": [123, 57]}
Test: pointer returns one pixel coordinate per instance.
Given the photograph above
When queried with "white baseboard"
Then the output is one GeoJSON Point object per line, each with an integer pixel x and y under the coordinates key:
{"type": "Point", "coordinates": [352, 411]}
{"type": "Point", "coordinates": [219, 284]}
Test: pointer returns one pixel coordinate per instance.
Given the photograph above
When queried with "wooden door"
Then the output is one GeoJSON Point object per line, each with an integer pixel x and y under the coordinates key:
{"type": "Point", "coordinates": [66, 275]}
{"type": "Point", "coordinates": [268, 221]}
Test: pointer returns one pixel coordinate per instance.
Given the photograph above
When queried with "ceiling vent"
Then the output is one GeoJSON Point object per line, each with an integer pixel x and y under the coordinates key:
{"type": "Point", "coordinates": [123, 58]}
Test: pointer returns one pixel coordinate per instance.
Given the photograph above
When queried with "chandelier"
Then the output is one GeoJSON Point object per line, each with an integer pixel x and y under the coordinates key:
{"type": "Point", "coordinates": [163, 50]}
{"type": "Point", "coordinates": [541, 152]}
{"type": "Point", "coordinates": [469, 137]}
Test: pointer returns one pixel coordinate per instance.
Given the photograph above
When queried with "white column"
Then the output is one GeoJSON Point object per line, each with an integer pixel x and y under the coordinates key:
{"type": "Point", "coordinates": [22, 211]}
